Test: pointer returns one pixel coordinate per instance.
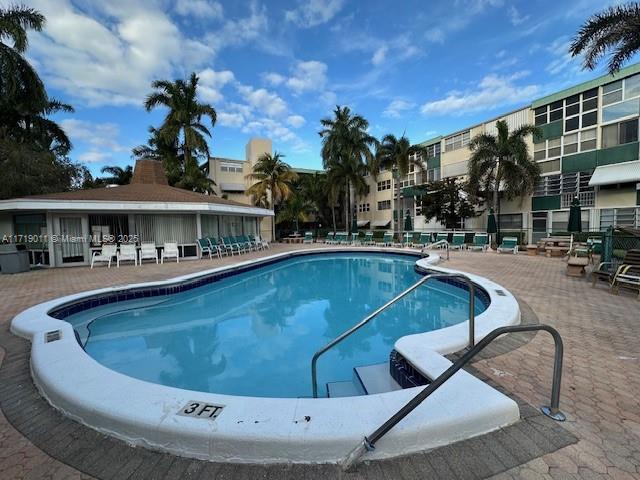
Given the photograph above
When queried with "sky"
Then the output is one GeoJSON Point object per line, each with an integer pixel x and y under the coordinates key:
{"type": "Point", "coordinates": [275, 68]}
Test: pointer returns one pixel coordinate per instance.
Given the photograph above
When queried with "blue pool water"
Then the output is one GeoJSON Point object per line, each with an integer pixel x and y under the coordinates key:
{"type": "Point", "coordinates": [254, 333]}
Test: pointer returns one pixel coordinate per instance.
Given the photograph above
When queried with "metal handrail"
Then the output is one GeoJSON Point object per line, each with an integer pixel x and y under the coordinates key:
{"type": "Point", "coordinates": [553, 410]}
{"type": "Point", "coordinates": [368, 318]}
{"type": "Point", "coordinates": [445, 243]}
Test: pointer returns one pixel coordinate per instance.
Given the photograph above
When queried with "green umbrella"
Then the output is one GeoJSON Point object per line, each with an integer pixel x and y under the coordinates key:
{"type": "Point", "coordinates": [491, 222]}
{"type": "Point", "coordinates": [407, 223]}
{"type": "Point", "coordinates": [575, 217]}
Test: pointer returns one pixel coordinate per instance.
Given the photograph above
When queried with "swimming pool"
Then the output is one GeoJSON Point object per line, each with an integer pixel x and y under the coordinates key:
{"type": "Point", "coordinates": [254, 333]}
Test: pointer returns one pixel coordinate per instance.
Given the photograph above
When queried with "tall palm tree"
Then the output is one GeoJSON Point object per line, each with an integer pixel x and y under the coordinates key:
{"type": "Point", "coordinates": [615, 30]}
{"type": "Point", "coordinates": [183, 125]}
{"type": "Point", "coordinates": [502, 163]}
{"type": "Point", "coordinates": [297, 209]}
{"type": "Point", "coordinates": [274, 179]}
{"type": "Point", "coordinates": [397, 155]}
{"type": "Point", "coordinates": [118, 175]}
{"type": "Point", "coordinates": [347, 147]}
{"type": "Point", "coordinates": [19, 82]}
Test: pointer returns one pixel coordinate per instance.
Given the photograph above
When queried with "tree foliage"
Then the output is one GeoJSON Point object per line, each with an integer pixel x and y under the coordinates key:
{"type": "Point", "coordinates": [448, 202]}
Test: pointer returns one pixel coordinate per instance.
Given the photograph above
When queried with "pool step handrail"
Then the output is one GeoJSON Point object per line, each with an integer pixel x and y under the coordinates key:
{"type": "Point", "coordinates": [440, 243]}
{"type": "Point", "coordinates": [371, 316]}
{"type": "Point", "coordinates": [552, 411]}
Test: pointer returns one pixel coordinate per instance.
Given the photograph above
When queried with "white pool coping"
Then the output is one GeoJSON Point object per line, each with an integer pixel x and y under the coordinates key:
{"type": "Point", "coordinates": [272, 430]}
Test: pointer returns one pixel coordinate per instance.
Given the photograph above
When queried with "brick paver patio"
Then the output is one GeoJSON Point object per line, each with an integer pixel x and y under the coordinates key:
{"type": "Point", "coordinates": [601, 383]}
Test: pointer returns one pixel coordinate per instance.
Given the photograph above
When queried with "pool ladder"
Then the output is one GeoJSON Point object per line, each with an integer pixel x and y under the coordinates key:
{"type": "Point", "coordinates": [439, 244]}
{"type": "Point", "coordinates": [368, 318]}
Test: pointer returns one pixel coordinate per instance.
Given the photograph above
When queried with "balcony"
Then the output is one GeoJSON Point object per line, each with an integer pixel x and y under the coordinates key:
{"type": "Point", "coordinates": [587, 199]}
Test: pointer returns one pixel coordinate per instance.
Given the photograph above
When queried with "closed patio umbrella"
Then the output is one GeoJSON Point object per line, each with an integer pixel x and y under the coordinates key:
{"type": "Point", "coordinates": [575, 217]}
{"type": "Point", "coordinates": [407, 223]}
{"type": "Point", "coordinates": [492, 228]}
{"type": "Point", "coordinates": [354, 223]}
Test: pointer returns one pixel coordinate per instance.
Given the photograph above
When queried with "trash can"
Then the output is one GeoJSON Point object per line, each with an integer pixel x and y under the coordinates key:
{"type": "Point", "coordinates": [13, 260]}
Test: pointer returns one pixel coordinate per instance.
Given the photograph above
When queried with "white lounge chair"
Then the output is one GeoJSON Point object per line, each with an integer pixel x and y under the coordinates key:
{"type": "Point", "coordinates": [170, 250]}
{"type": "Point", "coordinates": [127, 253]}
{"type": "Point", "coordinates": [148, 251]}
{"type": "Point", "coordinates": [262, 242]}
{"type": "Point", "coordinates": [105, 255]}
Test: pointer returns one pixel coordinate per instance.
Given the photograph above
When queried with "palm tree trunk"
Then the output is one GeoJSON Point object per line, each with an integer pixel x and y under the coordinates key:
{"type": "Point", "coordinates": [333, 215]}
{"type": "Point", "coordinates": [347, 209]}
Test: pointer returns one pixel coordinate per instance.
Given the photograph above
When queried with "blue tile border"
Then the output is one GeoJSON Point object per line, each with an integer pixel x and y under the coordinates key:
{"type": "Point", "coordinates": [404, 373]}
{"type": "Point", "coordinates": [63, 311]}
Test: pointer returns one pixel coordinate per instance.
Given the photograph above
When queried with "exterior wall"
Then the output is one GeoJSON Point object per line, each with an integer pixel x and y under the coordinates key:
{"type": "Point", "coordinates": [623, 197]}
{"type": "Point", "coordinates": [6, 225]}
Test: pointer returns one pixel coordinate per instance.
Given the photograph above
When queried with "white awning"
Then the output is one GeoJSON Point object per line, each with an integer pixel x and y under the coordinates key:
{"type": "Point", "coordinates": [381, 223]}
{"type": "Point", "coordinates": [232, 187]}
{"type": "Point", "coordinates": [362, 223]}
{"type": "Point", "coordinates": [616, 173]}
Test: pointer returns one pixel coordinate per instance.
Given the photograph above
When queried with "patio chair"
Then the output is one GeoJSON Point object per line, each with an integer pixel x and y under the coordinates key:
{"type": "Point", "coordinates": [127, 252]}
{"type": "Point", "coordinates": [205, 247]}
{"type": "Point", "coordinates": [263, 244]}
{"type": "Point", "coordinates": [104, 255]}
{"type": "Point", "coordinates": [308, 237]}
{"type": "Point", "coordinates": [368, 239]}
{"type": "Point", "coordinates": [330, 238]}
{"type": "Point", "coordinates": [231, 245]}
{"type": "Point", "coordinates": [442, 236]}
{"type": "Point", "coordinates": [508, 245]}
{"type": "Point", "coordinates": [415, 240]}
{"type": "Point", "coordinates": [630, 266]}
{"type": "Point", "coordinates": [480, 242]}
{"type": "Point", "coordinates": [170, 250]}
{"type": "Point", "coordinates": [387, 239]}
{"type": "Point", "coordinates": [148, 251]}
{"type": "Point", "coordinates": [423, 240]}
{"type": "Point", "coordinates": [458, 241]}
{"type": "Point", "coordinates": [217, 247]}
{"type": "Point", "coordinates": [626, 277]}
{"type": "Point", "coordinates": [246, 242]}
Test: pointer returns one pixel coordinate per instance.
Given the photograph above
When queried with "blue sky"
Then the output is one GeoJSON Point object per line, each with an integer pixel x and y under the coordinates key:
{"type": "Point", "coordinates": [275, 68]}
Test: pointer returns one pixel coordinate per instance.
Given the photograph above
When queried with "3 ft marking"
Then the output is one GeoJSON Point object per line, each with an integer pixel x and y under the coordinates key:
{"type": "Point", "coordinates": [201, 410]}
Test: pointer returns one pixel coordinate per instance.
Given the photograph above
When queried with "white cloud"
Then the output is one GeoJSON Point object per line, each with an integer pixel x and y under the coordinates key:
{"type": "Point", "coordinates": [562, 61]}
{"type": "Point", "coordinates": [211, 82]}
{"type": "Point", "coordinates": [311, 75]}
{"type": "Point", "coordinates": [397, 107]}
{"type": "Point", "coordinates": [434, 35]}
{"type": "Point", "coordinates": [313, 12]}
{"type": "Point", "coordinates": [493, 91]}
{"type": "Point", "coordinates": [109, 52]}
{"type": "Point", "coordinates": [379, 55]}
{"type": "Point", "coordinates": [264, 101]}
{"type": "Point", "coordinates": [276, 130]}
{"type": "Point", "coordinates": [516, 17]}
{"type": "Point", "coordinates": [99, 135]}
{"type": "Point", "coordinates": [230, 119]}
{"type": "Point", "coordinates": [94, 156]}
{"type": "Point", "coordinates": [199, 8]}
{"type": "Point", "coordinates": [296, 121]}
{"type": "Point", "coordinates": [274, 79]}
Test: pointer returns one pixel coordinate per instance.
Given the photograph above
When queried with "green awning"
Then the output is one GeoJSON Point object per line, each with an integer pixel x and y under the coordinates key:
{"type": "Point", "coordinates": [414, 191]}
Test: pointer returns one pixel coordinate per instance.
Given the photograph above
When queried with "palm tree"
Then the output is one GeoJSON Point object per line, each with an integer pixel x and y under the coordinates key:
{"type": "Point", "coordinates": [296, 209]}
{"type": "Point", "coordinates": [501, 163]}
{"type": "Point", "coordinates": [615, 30]}
{"type": "Point", "coordinates": [119, 175]}
{"type": "Point", "coordinates": [346, 151]}
{"type": "Point", "coordinates": [274, 179]}
{"type": "Point", "coordinates": [19, 82]}
{"type": "Point", "coordinates": [183, 125]}
{"type": "Point", "coordinates": [397, 154]}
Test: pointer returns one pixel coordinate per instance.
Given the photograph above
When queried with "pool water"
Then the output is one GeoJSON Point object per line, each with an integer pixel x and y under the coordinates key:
{"type": "Point", "coordinates": [254, 333]}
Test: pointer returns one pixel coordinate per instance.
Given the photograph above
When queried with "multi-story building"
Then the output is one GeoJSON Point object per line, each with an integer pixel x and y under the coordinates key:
{"type": "Point", "coordinates": [231, 176]}
{"type": "Point", "coordinates": [588, 147]}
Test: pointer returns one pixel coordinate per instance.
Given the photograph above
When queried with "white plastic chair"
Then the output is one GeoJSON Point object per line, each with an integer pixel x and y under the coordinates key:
{"type": "Point", "coordinates": [127, 253]}
{"type": "Point", "coordinates": [260, 241]}
{"type": "Point", "coordinates": [170, 250]}
{"type": "Point", "coordinates": [148, 251]}
{"type": "Point", "coordinates": [105, 255]}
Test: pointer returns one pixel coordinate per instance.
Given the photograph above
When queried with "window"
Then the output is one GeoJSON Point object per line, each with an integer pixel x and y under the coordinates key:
{"type": "Point", "coordinates": [546, 149]}
{"type": "Point", "coordinates": [620, 133]}
{"type": "Point", "coordinates": [433, 150]}
{"type": "Point", "coordinates": [231, 167]}
{"type": "Point", "coordinates": [384, 185]}
{"type": "Point", "coordinates": [579, 141]}
{"type": "Point", "coordinates": [572, 106]}
{"type": "Point", "coordinates": [510, 221]}
{"type": "Point", "coordinates": [541, 115]}
{"type": "Point", "coordinates": [548, 185]}
{"type": "Point", "coordinates": [384, 205]}
{"type": "Point", "coordinates": [565, 183]}
{"type": "Point", "coordinates": [627, 217]}
{"type": "Point", "coordinates": [363, 207]}
{"type": "Point", "coordinates": [620, 110]}
{"type": "Point", "coordinates": [588, 140]}
{"type": "Point", "coordinates": [570, 143]}
{"type": "Point", "coordinates": [632, 87]}
{"type": "Point", "coordinates": [549, 167]}
{"type": "Point", "coordinates": [433, 174]}
{"type": "Point", "coordinates": [612, 93]}
{"type": "Point", "coordinates": [571, 124]}
{"type": "Point", "coordinates": [455, 142]}
{"type": "Point", "coordinates": [590, 100]}
{"type": "Point", "coordinates": [589, 119]}
{"type": "Point", "coordinates": [580, 110]}
{"type": "Point", "coordinates": [555, 111]}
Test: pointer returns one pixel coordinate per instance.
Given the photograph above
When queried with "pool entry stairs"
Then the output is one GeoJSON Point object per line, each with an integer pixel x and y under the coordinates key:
{"type": "Point", "coordinates": [367, 380]}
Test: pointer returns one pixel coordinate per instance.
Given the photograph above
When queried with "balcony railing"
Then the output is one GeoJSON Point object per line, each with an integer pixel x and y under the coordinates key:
{"type": "Point", "coordinates": [587, 199]}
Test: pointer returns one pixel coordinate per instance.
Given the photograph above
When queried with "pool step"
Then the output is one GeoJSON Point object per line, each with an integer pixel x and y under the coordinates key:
{"type": "Point", "coordinates": [343, 389]}
{"type": "Point", "coordinates": [376, 378]}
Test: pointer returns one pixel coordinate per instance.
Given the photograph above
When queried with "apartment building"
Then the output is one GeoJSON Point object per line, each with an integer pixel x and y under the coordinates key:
{"type": "Point", "coordinates": [588, 147]}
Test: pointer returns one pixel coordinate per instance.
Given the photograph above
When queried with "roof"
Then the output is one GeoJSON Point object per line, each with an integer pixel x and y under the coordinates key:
{"type": "Point", "coordinates": [149, 171]}
{"type": "Point", "coordinates": [581, 87]}
{"type": "Point", "coordinates": [310, 171]}
{"type": "Point", "coordinates": [616, 173]}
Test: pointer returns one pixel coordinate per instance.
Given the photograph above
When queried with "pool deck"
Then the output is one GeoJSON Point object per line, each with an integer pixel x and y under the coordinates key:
{"type": "Point", "coordinates": [600, 394]}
